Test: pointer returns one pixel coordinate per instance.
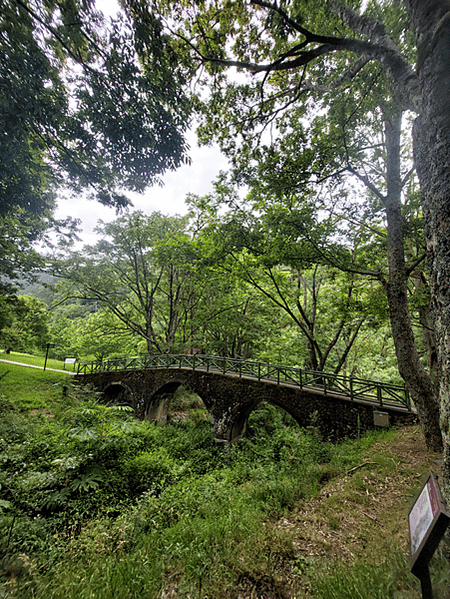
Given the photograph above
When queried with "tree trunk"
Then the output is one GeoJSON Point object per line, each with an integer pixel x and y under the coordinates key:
{"type": "Point", "coordinates": [418, 381]}
{"type": "Point", "coordinates": [425, 319]}
{"type": "Point", "coordinates": [432, 158]}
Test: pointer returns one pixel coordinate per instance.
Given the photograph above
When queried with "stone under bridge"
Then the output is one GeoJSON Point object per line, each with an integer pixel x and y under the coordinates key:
{"type": "Point", "coordinates": [230, 394]}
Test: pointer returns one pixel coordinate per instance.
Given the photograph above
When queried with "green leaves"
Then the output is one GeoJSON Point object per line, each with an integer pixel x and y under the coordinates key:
{"type": "Point", "coordinates": [23, 322]}
{"type": "Point", "coordinates": [4, 505]}
{"type": "Point", "coordinates": [145, 274]}
{"type": "Point", "coordinates": [82, 106]}
{"type": "Point", "coordinates": [87, 482]}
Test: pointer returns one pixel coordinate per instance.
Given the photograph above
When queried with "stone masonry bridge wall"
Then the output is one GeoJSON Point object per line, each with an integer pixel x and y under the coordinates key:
{"type": "Point", "coordinates": [230, 400]}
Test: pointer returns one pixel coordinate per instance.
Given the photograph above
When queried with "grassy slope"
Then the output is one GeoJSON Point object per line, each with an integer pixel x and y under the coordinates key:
{"type": "Point", "coordinates": [31, 388]}
{"type": "Point", "coordinates": [359, 521]}
{"type": "Point", "coordinates": [349, 539]}
{"type": "Point", "coordinates": [33, 360]}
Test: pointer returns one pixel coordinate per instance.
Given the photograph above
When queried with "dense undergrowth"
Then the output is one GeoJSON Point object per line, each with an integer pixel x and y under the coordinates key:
{"type": "Point", "coordinates": [94, 504]}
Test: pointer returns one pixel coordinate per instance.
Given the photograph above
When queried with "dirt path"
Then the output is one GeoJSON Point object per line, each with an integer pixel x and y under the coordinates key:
{"type": "Point", "coordinates": [367, 508]}
{"type": "Point", "coordinates": [38, 367]}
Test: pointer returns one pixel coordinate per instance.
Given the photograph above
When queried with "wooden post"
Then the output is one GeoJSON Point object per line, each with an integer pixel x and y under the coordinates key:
{"type": "Point", "coordinates": [425, 583]}
{"type": "Point", "coordinates": [408, 398]}
{"type": "Point", "coordinates": [47, 346]}
{"type": "Point", "coordinates": [380, 395]}
{"type": "Point", "coordinates": [46, 356]}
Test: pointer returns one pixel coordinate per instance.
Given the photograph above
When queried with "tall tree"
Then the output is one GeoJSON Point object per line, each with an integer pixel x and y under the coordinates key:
{"type": "Point", "coordinates": [259, 243]}
{"type": "Point", "coordinates": [153, 276]}
{"type": "Point", "coordinates": [84, 108]}
{"type": "Point", "coordinates": [432, 157]}
{"type": "Point", "coordinates": [98, 334]}
{"type": "Point", "coordinates": [23, 323]}
{"type": "Point", "coordinates": [314, 48]}
{"type": "Point", "coordinates": [384, 181]}
{"type": "Point", "coordinates": [140, 272]}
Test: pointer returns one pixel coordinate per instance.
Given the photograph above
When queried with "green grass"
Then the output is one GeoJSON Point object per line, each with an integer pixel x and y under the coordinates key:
{"type": "Point", "coordinates": [94, 505]}
{"type": "Point", "coordinates": [31, 388]}
{"type": "Point", "coordinates": [34, 360]}
{"type": "Point", "coordinates": [389, 578]}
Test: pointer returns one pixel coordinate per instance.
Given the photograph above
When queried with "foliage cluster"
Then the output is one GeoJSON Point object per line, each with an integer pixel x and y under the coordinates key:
{"type": "Point", "coordinates": [92, 117]}
{"type": "Point", "coordinates": [172, 284]}
{"type": "Point", "coordinates": [24, 323]}
{"type": "Point", "coordinates": [89, 459]}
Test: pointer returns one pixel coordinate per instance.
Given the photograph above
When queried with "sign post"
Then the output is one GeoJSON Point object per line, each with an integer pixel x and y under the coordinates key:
{"type": "Point", "coordinates": [428, 521]}
{"type": "Point", "coordinates": [48, 346]}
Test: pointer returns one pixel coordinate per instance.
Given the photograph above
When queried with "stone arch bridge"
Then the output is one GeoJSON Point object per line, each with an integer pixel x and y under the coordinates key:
{"type": "Point", "coordinates": [231, 389]}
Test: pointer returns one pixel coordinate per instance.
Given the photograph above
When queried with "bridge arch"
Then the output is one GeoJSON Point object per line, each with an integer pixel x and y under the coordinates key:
{"type": "Point", "coordinates": [118, 393]}
{"type": "Point", "coordinates": [257, 413]}
{"type": "Point", "coordinates": [157, 405]}
{"type": "Point", "coordinates": [241, 425]}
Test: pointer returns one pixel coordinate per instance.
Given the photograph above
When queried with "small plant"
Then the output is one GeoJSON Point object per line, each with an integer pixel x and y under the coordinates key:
{"type": "Point", "coordinates": [87, 482]}
{"type": "Point", "coordinates": [300, 565]}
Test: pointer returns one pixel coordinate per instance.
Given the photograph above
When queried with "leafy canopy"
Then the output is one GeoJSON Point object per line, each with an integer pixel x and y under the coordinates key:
{"type": "Point", "coordinates": [83, 105]}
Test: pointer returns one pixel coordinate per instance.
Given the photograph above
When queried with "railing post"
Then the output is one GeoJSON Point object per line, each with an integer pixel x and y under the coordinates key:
{"type": "Point", "coordinates": [259, 371]}
{"type": "Point", "coordinates": [301, 378]}
{"type": "Point", "coordinates": [193, 362]}
{"type": "Point", "coordinates": [380, 395]}
{"type": "Point", "coordinates": [351, 388]}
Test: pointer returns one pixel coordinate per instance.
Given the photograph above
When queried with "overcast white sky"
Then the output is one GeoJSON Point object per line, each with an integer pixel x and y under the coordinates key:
{"type": "Point", "coordinates": [197, 178]}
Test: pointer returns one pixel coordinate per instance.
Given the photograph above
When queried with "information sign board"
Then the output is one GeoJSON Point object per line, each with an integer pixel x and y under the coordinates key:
{"type": "Point", "coordinates": [428, 520]}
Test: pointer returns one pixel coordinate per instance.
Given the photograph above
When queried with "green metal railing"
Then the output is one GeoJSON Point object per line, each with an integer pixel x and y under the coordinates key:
{"type": "Point", "coordinates": [326, 383]}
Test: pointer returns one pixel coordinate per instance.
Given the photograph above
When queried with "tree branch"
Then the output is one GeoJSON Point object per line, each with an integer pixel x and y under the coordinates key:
{"type": "Point", "coordinates": [409, 269]}
{"type": "Point", "coordinates": [367, 183]}
{"type": "Point", "coordinates": [56, 35]}
{"type": "Point", "coordinates": [347, 76]}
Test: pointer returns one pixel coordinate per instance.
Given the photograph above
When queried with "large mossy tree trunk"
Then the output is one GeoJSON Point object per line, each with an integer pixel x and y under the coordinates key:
{"type": "Point", "coordinates": [417, 379]}
{"type": "Point", "coordinates": [431, 21]}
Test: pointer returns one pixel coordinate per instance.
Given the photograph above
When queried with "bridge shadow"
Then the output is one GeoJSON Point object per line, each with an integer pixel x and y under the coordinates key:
{"type": "Point", "coordinates": [187, 406]}
{"type": "Point", "coordinates": [269, 417]}
{"type": "Point", "coordinates": [118, 394]}
{"type": "Point", "coordinates": [173, 402]}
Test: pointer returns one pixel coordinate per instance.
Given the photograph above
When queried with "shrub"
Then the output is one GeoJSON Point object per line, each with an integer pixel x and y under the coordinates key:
{"type": "Point", "coordinates": [151, 472]}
